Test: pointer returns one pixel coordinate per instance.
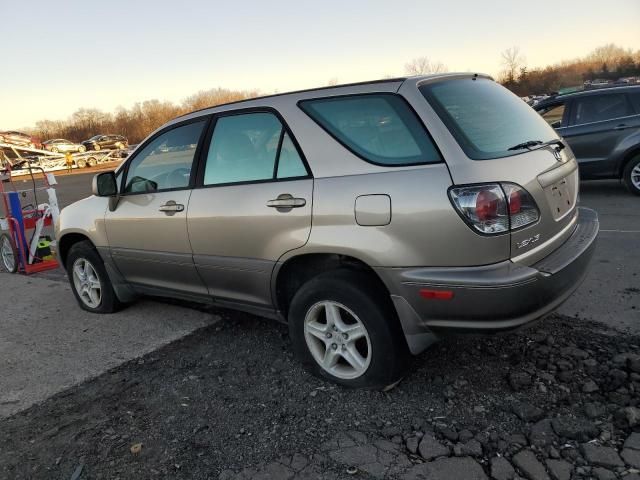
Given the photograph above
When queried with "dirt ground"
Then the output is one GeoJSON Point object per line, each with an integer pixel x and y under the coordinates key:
{"type": "Point", "coordinates": [230, 399]}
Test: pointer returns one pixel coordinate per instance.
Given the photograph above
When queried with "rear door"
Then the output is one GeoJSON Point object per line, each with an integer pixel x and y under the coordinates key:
{"type": "Point", "coordinates": [252, 204]}
{"type": "Point", "coordinates": [596, 124]}
{"type": "Point", "coordinates": [147, 232]}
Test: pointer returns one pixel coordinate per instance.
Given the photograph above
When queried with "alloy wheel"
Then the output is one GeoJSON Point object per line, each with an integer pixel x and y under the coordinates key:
{"type": "Point", "coordinates": [337, 339]}
{"type": "Point", "coordinates": [87, 283]}
{"type": "Point", "coordinates": [635, 176]}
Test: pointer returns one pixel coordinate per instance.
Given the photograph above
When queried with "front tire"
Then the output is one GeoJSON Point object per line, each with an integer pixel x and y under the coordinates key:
{"type": "Point", "coordinates": [54, 150]}
{"type": "Point", "coordinates": [96, 147]}
{"type": "Point", "coordinates": [82, 149]}
{"type": "Point", "coordinates": [631, 175]}
{"type": "Point", "coordinates": [343, 328]}
{"type": "Point", "coordinates": [89, 280]}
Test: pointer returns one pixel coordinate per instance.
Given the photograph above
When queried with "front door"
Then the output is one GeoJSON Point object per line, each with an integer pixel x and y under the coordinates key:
{"type": "Point", "coordinates": [253, 204]}
{"type": "Point", "coordinates": [147, 231]}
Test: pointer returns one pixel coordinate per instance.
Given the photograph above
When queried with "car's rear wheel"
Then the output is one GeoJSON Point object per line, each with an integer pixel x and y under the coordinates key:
{"type": "Point", "coordinates": [343, 328]}
{"type": "Point", "coordinates": [631, 175]}
{"type": "Point", "coordinates": [8, 253]}
{"type": "Point", "coordinates": [82, 163]}
{"type": "Point", "coordinates": [82, 149]}
{"type": "Point", "coordinates": [96, 147]}
{"type": "Point", "coordinates": [54, 149]}
{"type": "Point", "coordinates": [91, 162]}
{"type": "Point", "coordinates": [89, 280]}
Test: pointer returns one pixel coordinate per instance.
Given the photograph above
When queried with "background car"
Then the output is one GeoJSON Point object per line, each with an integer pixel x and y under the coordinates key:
{"type": "Point", "coordinates": [17, 138]}
{"type": "Point", "coordinates": [602, 127]}
{"type": "Point", "coordinates": [99, 142]}
{"type": "Point", "coordinates": [61, 145]}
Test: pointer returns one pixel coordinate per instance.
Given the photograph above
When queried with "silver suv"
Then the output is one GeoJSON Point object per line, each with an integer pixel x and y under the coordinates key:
{"type": "Point", "coordinates": [372, 218]}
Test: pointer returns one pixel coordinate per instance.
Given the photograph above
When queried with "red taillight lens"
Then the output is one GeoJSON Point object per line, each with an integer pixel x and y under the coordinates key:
{"type": "Point", "coordinates": [486, 205]}
{"type": "Point", "coordinates": [515, 202]}
{"type": "Point", "coordinates": [436, 294]}
{"type": "Point", "coordinates": [495, 208]}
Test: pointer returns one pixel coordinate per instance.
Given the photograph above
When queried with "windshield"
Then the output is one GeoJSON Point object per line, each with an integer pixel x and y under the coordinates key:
{"type": "Point", "coordinates": [486, 119]}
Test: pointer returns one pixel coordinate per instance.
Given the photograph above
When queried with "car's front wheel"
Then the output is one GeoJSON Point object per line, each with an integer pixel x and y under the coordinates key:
{"type": "Point", "coordinates": [82, 149]}
{"type": "Point", "coordinates": [343, 328]}
{"type": "Point", "coordinates": [96, 147]}
{"type": "Point", "coordinates": [89, 280]}
{"type": "Point", "coordinates": [631, 175]}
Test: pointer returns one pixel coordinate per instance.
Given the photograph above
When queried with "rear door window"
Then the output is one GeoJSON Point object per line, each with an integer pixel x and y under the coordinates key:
{"type": "Point", "coordinates": [598, 108]}
{"type": "Point", "coordinates": [635, 101]}
{"type": "Point", "coordinates": [380, 128]}
{"type": "Point", "coordinates": [251, 147]}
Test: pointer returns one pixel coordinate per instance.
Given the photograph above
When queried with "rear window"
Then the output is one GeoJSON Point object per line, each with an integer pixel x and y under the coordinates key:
{"type": "Point", "coordinates": [485, 118]}
{"type": "Point", "coordinates": [380, 128]}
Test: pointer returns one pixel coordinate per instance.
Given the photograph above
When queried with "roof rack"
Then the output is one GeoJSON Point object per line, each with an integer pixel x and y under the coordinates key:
{"type": "Point", "coordinates": [261, 97]}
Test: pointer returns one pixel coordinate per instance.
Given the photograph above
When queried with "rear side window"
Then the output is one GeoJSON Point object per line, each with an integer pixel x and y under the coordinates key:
{"type": "Point", "coordinates": [485, 118]}
{"type": "Point", "coordinates": [380, 128]}
{"type": "Point", "coordinates": [598, 108]}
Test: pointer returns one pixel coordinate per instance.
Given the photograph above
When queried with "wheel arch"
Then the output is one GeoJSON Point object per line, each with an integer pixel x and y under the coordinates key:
{"type": "Point", "coordinates": [67, 241]}
{"type": "Point", "coordinates": [297, 270]}
{"type": "Point", "coordinates": [627, 157]}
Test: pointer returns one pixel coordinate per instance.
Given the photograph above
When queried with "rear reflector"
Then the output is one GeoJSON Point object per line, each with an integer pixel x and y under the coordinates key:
{"type": "Point", "coordinates": [436, 294]}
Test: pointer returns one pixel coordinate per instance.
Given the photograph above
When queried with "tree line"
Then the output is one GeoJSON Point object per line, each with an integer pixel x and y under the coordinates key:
{"type": "Point", "coordinates": [608, 62]}
{"type": "Point", "coordinates": [136, 122]}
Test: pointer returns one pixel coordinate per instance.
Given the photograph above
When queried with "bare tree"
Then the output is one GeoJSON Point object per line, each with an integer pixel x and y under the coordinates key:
{"type": "Point", "coordinates": [512, 60]}
{"type": "Point", "coordinates": [424, 66]}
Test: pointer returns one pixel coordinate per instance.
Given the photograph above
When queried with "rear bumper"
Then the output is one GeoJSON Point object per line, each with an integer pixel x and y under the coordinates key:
{"type": "Point", "coordinates": [490, 298]}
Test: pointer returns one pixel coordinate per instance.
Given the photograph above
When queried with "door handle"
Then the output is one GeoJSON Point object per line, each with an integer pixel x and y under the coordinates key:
{"type": "Point", "coordinates": [622, 126]}
{"type": "Point", "coordinates": [286, 202]}
{"type": "Point", "coordinates": [171, 207]}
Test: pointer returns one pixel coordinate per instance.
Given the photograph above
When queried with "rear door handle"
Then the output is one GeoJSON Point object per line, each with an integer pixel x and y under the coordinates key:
{"type": "Point", "coordinates": [171, 207]}
{"type": "Point", "coordinates": [622, 126]}
{"type": "Point", "coordinates": [286, 202]}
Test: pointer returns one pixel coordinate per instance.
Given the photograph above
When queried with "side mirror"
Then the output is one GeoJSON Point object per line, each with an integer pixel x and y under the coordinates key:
{"type": "Point", "coordinates": [104, 185]}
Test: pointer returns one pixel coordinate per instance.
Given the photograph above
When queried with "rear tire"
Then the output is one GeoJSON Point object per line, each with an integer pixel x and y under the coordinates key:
{"type": "Point", "coordinates": [89, 280]}
{"type": "Point", "coordinates": [362, 346]}
{"type": "Point", "coordinates": [82, 149]}
{"type": "Point", "coordinates": [82, 163]}
{"type": "Point", "coordinates": [8, 253]}
{"type": "Point", "coordinates": [54, 149]}
{"type": "Point", "coordinates": [96, 147]}
{"type": "Point", "coordinates": [631, 175]}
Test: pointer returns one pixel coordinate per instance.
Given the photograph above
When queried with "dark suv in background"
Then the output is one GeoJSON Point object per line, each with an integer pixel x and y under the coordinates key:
{"type": "Point", "coordinates": [602, 127]}
{"type": "Point", "coordinates": [100, 142]}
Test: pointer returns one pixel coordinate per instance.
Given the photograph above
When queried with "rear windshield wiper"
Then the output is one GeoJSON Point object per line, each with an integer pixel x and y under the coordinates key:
{"type": "Point", "coordinates": [529, 144]}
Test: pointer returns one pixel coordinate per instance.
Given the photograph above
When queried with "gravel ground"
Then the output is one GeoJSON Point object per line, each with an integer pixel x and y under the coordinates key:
{"type": "Point", "coordinates": [557, 401]}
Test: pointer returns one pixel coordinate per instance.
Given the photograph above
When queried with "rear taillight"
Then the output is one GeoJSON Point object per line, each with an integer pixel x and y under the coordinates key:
{"type": "Point", "coordinates": [494, 208]}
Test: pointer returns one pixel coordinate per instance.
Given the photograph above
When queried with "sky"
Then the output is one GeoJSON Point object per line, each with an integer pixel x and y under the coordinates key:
{"type": "Point", "coordinates": [57, 59]}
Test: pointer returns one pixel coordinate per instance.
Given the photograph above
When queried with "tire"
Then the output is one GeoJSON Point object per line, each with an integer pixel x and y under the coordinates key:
{"type": "Point", "coordinates": [104, 300]}
{"type": "Point", "coordinates": [82, 149]}
{"type": "Point", "coordinates": [91, 162]}
{"type": "Point", "coordinates": [54, 149]}
{"type": "Point", "coordinates": [631, 175]}
{"type": "Point", "coordinates": [363, 307]}
{"type": "Point", "coordinates": [82, 163]}
{"type": "Point", "coordinates": [8, 253]}
{"type": "Point", "coordinates": [96, 147]}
